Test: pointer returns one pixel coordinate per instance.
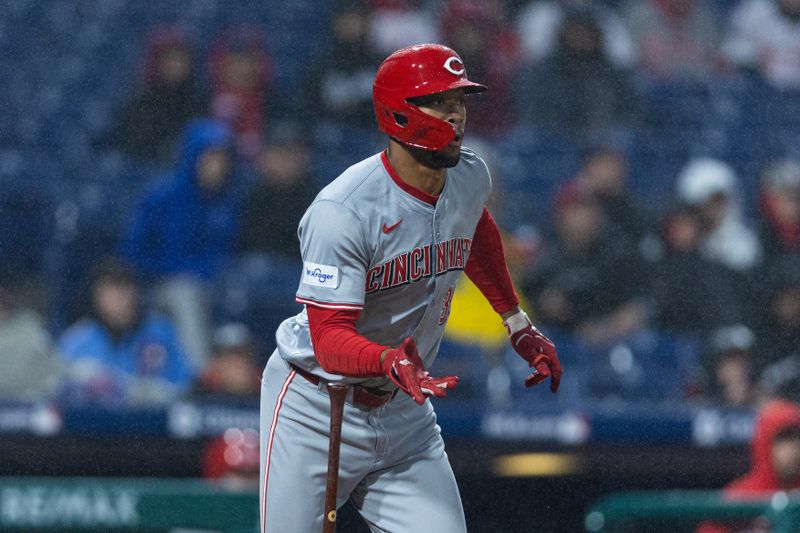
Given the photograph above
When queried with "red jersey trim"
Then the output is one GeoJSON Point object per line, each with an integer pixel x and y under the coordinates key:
{"type": "Point", "coordinates": [326, 305]}
{"type": "Point", "coordinates": [410, 189]}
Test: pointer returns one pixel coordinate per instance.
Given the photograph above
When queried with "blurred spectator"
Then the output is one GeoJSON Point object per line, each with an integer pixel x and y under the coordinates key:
{"type": "Point", "coordinates": [394, 24]}
{"type": "Point", "coordinates": [604, 176]}
{"type": "Point", "coordinates": [778, 330]}
{"type": "Point", "coordinates": [540, 23]}
{"type": "Point", "coordinates": [781, 379]}
{"type": "Point", "coordinates": [587, 279]}
{"type": "Point", "coordinates": [710, 185]}
{"type": "Point", "coordinates": [184, 229]}
{"type": "Point", "coordinates": [677, 39]}
{"type": "Point", "coordinates": [779, 201]}
{"type": "Point", "coordinates": [241, 77]}
{"type": "Point", "coordinates": [284, 190]}
{"type": "Point", "coordinates": [232, 372]}
{"type": "Point", "coordinates": [576, 89]}
{"type": "Point", "coordinates": [764, 37]}
{"type": "Point", "coordinates": [479, 32]}
{"type": "Point", "coordinates": [338, 86]}
{"type": "Point", "coordinates": [121, 354]}
{"type": "Point", "coordinates": [692, 293]}
{"type": "Point", "coordinates": [232, 459]}
{"type": "Point", "coordinates": [729, 364]}
{"type": "Point", "coordinates": [774, 466]}
{"type": "Point", "coordinates": [31, 371]}
{"type": "Point", "coordinates": [149, 124]}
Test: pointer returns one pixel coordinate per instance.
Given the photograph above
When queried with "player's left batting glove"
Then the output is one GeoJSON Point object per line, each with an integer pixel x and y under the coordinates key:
{"type": "Point", "coordinates": [405, 368]}
{"type": "Point", "coordinates": [534, 347]}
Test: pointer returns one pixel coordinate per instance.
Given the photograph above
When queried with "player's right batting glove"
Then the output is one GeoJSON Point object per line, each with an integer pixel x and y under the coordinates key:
{"type": "Point", "coordinates": [405, 368]}
{"type": "Point", "coordinates": [534, 347]}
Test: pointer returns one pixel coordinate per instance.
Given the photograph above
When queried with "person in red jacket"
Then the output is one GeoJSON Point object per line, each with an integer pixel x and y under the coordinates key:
{"type": "Point", "coordinates": [775, 453]}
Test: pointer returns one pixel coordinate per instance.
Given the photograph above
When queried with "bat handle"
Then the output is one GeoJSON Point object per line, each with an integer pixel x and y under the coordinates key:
{"type": "Point", "coordinates": [337, 392]}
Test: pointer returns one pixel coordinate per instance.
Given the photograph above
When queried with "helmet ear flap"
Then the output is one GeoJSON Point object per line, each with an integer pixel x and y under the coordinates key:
{"type": "Point", "coordinates": [425, 131]}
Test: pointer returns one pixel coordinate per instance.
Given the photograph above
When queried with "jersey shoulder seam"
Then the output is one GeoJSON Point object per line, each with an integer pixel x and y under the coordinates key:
{"type": "Point", "coordinates": [336, 202]}
{"type": "Point", "coordinates": [354, 214]}
{"type": "Point", "coordinates": [363, 180]}
{"type": "Point", "coordinates": [369, 174]}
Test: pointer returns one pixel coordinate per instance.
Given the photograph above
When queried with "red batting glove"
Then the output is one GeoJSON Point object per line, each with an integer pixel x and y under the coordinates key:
{"type": "Point", "coordinates": [405, 368]}
{"type": "Point", "coordinates": [534, 347]}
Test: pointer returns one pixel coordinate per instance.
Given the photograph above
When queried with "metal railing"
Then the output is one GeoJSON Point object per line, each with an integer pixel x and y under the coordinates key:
{"type": "Point", "coordinates": [782, 510]}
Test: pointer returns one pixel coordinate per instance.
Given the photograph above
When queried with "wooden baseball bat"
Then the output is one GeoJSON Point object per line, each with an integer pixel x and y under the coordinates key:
{"type": "Point", "coordinates": [337, 392]}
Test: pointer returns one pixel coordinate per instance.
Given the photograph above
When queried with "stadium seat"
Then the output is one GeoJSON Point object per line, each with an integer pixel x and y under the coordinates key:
{"type": "Point", "coordinates": [650, 366]}
{"type": "Point", "coordinates": [532, 166]}
{"type": "Point", "coordinates": [468, 362]}
{"type": "Point", "coordinates": [258, 290]}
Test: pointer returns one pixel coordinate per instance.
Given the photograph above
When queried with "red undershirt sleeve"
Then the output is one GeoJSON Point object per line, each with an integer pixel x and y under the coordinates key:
{"type": "Point", "coordinates": [487, 267]}
{"type": "Point", "coordinates": [338, 346]}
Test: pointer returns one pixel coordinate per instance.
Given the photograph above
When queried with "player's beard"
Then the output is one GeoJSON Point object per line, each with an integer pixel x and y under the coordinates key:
{"type": "Point", "coordinates": [447, 157]}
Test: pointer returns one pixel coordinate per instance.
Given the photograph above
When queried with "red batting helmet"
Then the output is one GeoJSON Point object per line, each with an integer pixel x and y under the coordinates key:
{"type": "Point", "coordinates": [418, 71]}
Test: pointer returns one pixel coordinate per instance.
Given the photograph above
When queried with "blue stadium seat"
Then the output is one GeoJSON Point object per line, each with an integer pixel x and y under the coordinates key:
{"type": "Point", "coordinates": [259, 290]}
{"type": "Point", "coordinates": [532, 166]}
{"type": "Point", "coordinates": [466, 361]}
{"type": "Point", "coordinates": [650, 366]}
{"type": "Point", "coordinates": [654, 163]}
{"type": "Point", "coordinates": [25, 224]}
{"type": "Point", "coordinates": [682, 108]}
{"type": "Point", "coordinates": [336, 148]}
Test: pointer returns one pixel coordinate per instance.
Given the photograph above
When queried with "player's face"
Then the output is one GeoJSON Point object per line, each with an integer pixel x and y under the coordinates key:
{"type": "Point", "coordinates": [448, 106]}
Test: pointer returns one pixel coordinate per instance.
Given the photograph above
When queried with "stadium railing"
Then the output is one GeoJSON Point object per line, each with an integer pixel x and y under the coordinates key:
{"type": "Point", "coordinates": [688, 507]}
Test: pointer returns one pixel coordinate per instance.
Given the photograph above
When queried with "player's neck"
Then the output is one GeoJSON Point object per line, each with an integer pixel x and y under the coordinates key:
{"type": "Point", "coordinates": [413, 171]}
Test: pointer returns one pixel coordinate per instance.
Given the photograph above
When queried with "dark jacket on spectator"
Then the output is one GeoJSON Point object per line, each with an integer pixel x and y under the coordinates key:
{"type": "Point", "coordinates": [595, 281]}
{"type": "Point", "coordinates": [148, 126]}
{"type": "Point", "coordinates": [576, 90]}
{"type": "Point", "coordinates": [338, 84]}
{"type": "Point", "coordinates": [271, 217]}
{"type": "Point", "coordinates": [778, 330]}
{"type": "Point", "coordinates": [692, 293]}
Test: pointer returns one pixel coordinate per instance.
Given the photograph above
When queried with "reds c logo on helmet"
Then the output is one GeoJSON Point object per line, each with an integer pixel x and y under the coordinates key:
{"type": "Point", "coordinates": [454, 65]}
{"type": "Point", "coordinates": [414, 71]}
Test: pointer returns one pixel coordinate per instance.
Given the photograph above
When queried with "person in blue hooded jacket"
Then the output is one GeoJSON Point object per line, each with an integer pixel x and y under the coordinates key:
{"type": "Point", "coordinates": [184, 229]}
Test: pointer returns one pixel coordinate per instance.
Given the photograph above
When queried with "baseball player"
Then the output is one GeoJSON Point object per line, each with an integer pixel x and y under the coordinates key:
{"type": "Point", "coordinates": [383, 246]}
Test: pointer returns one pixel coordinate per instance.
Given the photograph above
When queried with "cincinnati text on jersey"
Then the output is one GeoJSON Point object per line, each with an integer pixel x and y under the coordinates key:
{"type": "Point", "coordinates": [419, 263]}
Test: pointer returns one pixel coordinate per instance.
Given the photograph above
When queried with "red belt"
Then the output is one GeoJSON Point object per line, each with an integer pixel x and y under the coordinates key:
{"type": "Point", "coordinates": [371, 398]}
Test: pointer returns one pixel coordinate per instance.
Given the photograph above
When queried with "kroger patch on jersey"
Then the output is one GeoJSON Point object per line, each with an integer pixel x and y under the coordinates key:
{"type": "Point", "coordinates": [320, 275]}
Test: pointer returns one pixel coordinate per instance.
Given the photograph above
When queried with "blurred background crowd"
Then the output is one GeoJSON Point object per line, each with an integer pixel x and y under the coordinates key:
{"type": "Point", "coordinates": [156, 158]}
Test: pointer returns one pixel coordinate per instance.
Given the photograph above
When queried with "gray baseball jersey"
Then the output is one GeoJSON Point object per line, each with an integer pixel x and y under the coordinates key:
{"type": "Point", "coordinates": [371, 242]}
